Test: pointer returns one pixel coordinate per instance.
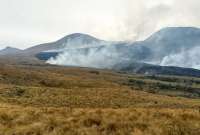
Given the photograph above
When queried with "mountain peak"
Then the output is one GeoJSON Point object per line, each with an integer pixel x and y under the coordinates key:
{"type": "Point", "coordinates": [9, 51]}
{"type": "Point", "coordinates": [79, 36]}
{"type": "Point", "coordinates": [179, 30]}
{"type": "Point", "coordinates": [174, 33]}
{"type": "Point", "coordinates": [75, 35]}
{"type": "Point", "coordinates": [9, 47]}
{"type": "Point", "coordinates": [75, 40]}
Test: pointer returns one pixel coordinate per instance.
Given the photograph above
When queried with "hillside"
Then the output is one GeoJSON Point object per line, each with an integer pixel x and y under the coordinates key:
{"type": "Point", "coordinates": [75, 40]}
{"type": "Point", "coordinates": [171, 46]}
{"type": "Point", "coordinates": [45, 99]}
{"type": "Point", "coordinates": [26, 84]}
{"type": "Point", "coordinates": [173, 39]}
{"type": "Point", "coordinates": [149, 69]}
{"type": "Point", "coordinates": [9, 51]}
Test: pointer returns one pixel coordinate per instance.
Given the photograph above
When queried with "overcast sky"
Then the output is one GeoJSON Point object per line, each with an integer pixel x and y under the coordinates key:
{"type": "Point", "coordinates": [24, 23]}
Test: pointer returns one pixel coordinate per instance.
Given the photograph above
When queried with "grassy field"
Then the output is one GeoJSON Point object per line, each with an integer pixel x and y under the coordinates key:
{"type": "Point", "coordinates": [67, 121]}
{"type": "Point", "coordinates": [51, 100]}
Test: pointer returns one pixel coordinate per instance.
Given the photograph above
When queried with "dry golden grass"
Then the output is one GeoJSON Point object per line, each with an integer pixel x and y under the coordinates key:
{"type": "Point", "coordinates": [64, 121]}
{"type": "Point", "coordinates": [90, 98]}
{"type": "Point", "coordinates": [51, 100]}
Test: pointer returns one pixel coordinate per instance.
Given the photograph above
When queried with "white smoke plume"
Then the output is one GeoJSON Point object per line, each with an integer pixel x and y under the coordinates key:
{"type": "Point", "coordinates": [186, 58]}
{"type": "Point", "coordinates": [96, 57]}
{"type": "Point", "coordinates": [109, 56]}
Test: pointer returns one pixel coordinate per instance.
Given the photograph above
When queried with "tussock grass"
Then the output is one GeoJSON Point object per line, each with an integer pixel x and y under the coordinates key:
{"type": "Point", "coordinates": [114, 97]}
{"type": "Point", "coordinates": [51, 100]}
{"type": "Point", "coordinates": [62, 121]}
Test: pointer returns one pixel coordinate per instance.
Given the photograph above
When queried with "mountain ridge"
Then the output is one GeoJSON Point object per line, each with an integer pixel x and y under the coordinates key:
{"type": "Point", "coordinates": [78, 38]}
{"type": "Point", "coordinates": [156, 51]}
{"type": "Point", "coordinates": [10, 51]}
{"type": "Point", "coordinates": [59, 43]}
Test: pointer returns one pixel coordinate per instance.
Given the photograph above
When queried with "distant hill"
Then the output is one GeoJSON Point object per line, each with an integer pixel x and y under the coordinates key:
{"type": "Point", "coordinates": [75, 40]}
{"type": "Point", "coordinates": [10, 51]}
{"type": "Point", "coordinates": [171, 40]}
{"type": "Point", "coordinates": [155, 50]}
{"type": "Point", "coordinates": [162, 53]}
{"type": "Point", "coordinates": [149, 69]}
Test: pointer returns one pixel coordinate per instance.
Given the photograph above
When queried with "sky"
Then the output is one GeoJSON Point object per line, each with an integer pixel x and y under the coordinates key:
{"type": "Point", "coordinates": [25, 23]}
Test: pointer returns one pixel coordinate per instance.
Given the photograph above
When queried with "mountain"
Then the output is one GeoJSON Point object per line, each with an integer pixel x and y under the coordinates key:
{"type": "Point", "coordinates": [171, 50]}
{"type": "Point", "coordinates": [166, 50]}
{"type": "Point", "coordinates": [171, 41]}
{"type": "Point", "coordinates": [75, 40]}
{"type": "Point", "coordinates": [171, 46]}
{"type": "Point", "coordinates": [167, 41]}
{"type": "Point", "coordinates": [9, 51]}
{"type": "Point", "coordinates": [174, 38]}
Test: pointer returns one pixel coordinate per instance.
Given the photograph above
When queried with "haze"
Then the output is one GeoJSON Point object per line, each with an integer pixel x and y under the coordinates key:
{"type": "Point", "coordinates": [24, 23]}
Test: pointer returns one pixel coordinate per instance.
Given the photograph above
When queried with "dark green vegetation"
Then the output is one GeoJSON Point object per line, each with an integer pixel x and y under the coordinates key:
{"type": "Point", "coordinates": [148, 69]}
{"type": "Point", "coordinates": [167, 85]}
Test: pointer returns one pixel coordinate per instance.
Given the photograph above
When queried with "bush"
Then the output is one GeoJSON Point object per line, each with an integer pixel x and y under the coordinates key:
{"type": "Point", "coordinates": [95, 72]}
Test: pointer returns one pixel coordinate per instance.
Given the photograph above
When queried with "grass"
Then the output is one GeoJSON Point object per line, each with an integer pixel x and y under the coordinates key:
{"type": "Point", "coordinates": [90, 98]}
{"type": "Point", "coordinates": [63, 121]}
{"type": "Point", "coordinates": [185, 87]}
{"type": "Point", "coordinates": [51, 100]}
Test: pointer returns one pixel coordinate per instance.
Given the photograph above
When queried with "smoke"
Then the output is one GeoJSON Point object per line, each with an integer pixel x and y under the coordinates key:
{"type": "Point", "coordinates": [96, 57]}
{"type": "Point", "coordinates": [144, 19]}
{"type": "Point", "coordinates": [186, 58]}
{"type": "Point", "coordinates": [110, 54]}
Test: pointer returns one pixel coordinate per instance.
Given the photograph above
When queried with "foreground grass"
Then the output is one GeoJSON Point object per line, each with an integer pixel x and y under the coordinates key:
{"type": "Point", "coordinates": [50, 100]}
{"type": "Point", "coordinates": [114, 97]}
{"type": "Point", "coordinates": [64, 121]}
